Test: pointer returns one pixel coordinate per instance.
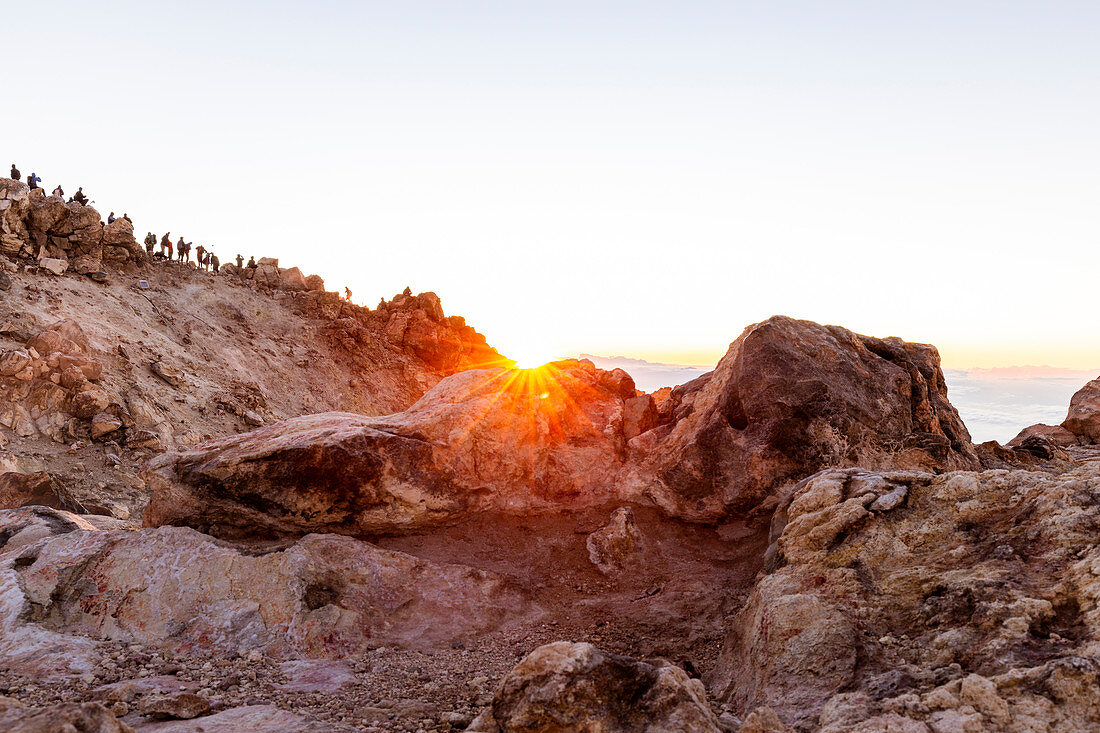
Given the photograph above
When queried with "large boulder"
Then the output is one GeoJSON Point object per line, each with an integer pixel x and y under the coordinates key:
{"type": "Point", "coordinates": [881, 588]}
{"type": "Point", "coordinates": [1084, 412]}
{"type": "Point", "coordinates": [89, 717]}
{"type": "Point", "coordinates": [506, 440]}
{"type": "Point", "coordinates": [1054, 434]}
{"type": "Point", "coordinates": [791, 397]}
{"type": "Point", "coordinates": [567, 686]}
{"type": "Point", "coordinates": [324, 596]}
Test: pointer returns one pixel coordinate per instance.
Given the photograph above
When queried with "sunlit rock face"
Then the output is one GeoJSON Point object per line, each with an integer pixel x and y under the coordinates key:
{"type": "Point", "coordinates": [791, 397]}
{"type": "Point", "coordinates": [1083, 419]}
{"type": "Point", "coordinates": [505, 440]}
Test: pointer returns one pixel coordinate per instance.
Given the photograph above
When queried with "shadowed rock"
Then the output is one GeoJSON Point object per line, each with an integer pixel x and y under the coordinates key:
{"type": "Point", "coordinates": [788, 398]}
{"type": "Point", "coordinates": [575, 686]}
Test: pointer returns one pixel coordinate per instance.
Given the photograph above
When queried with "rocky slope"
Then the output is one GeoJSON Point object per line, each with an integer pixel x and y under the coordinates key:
{"type": "Point", "coordinates": [236, 502]}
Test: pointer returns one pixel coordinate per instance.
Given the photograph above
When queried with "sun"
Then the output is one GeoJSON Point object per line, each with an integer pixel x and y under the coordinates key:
{"type": "Point", "coordinates": [530, 356]}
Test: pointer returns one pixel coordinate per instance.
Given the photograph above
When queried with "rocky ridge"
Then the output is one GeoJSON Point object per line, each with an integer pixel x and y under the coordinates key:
{"type": "Point", "coordinates": [239, 502]}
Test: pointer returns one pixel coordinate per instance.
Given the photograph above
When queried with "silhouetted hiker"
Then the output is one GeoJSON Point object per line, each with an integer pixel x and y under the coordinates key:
{"type": "Point", "coordinates": [33, 181]}
{"type": "Point", "coordinates": [215, 263]}
{"type": "Point", "coordinates": [79, 196]}
{"type": "Point", "coordinates": [111, 218]}
{"type": "Point", "coordinates": [206, 262]}
{"type": "Point", "coordinates": [347, 294]}
{"type": "Point", "coordinates": [198, 254]}
{"type": "Point", "coordinates": [166, 245]}
{"type": "Point", "coordinates": [240, 262]}
{"type": "Point", "coordinates": [181, 249]}
{"type": "Point", "coordinates": [150, 242]}
{"type": "Point", "coordinates": [252, 263]}
{"type": "Point", "coordinates": [15, 174]}
{"type": "Point", "coordinates": [58, 192]}
{"type": "Point", "coordinates": [407, 291]}
{"type": "Point", "coordinates": [127, 217]}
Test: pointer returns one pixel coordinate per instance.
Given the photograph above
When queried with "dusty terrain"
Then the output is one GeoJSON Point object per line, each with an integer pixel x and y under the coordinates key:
{"type": "Point", "coordinates": [236, 502]}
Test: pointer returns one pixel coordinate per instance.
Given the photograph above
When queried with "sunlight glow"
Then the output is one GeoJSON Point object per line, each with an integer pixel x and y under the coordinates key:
{"type": "Point", "coordinates": [529, 356]}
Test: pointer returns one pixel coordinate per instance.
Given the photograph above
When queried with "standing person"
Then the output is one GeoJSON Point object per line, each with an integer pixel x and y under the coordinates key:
{"type": "Point", "coordinates": [33, 180]}
{"type": "Point", "coordinates": [347, 293]}
{"type": "Point", "coordinates": [240, 262]}
{"type": "Point", "coordinates": [215, 263]}
{"type": "Point", "coordinates": [15, 174]}
{"type": "Point", "coordinates": [206, 262]}
{"type": "Point", "coordinates": [198, 254]}
{"type": "Point", "coordinates": [181, 249]}
{"type": "Point", "coordinates": [150, 242]}
{"type": "Point", "coordinates": [58, 192]}
{"type": "Point", "coordinates": [166, 245]}
{"type": "Point", "coordinates": [111, 218]}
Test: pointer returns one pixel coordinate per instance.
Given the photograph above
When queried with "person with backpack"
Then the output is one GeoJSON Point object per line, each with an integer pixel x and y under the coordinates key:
{"type": "Point", "coordinates": [33, 180]}
{"type": "Point", "coordinates": [181, 249]}
{"type": "Point", "coordinates": [215, 262]}
{"type": "Point", "coordinates": [58, 192]}
{"type": "Point", "coordinates": [15, 174]}
{"type": "Point", "coordinates": [166, 245]}
{"type": "Point", "coordinates": [150, 242]}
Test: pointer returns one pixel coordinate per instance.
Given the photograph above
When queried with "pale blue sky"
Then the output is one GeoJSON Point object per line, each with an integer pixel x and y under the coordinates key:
{"type": "Point", "coordinates": [640, 179]}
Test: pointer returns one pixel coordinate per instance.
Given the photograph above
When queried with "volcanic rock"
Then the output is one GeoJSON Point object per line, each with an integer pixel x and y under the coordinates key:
{"type": "Point", "coordinates": [507, 440]}
{"type": "Point", "coordinates": [1084, 412]}
{"type": "Point", "coordinates": [324, 596]}
{"type": "Point", "coordinates": [575, 686]}
{"type": "Point", "coordinates": [1056, 434]}
{"type": "Point", "coordinates": [791, 397]}
{"type": "Point", "coordinates": [611, 547]}
{"type": "Point", "coordinates": [86, 717]}
{"type": "Point", "coordinates": [53, 265]}
{"type": "Point", "coordinates": [183, 706]}
{"type": "Point", "coordinates": [867, 620]}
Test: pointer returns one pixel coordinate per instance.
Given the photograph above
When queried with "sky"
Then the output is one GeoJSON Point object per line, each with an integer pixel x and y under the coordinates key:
{"type": "Point", "coordinates": [637, 179]}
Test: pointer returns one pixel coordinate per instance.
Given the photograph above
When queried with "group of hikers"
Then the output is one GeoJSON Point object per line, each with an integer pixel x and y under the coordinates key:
{"type": "Point", "coordinates": [205, 258]}
{"type": "Point", "coordinates": [33, 180]}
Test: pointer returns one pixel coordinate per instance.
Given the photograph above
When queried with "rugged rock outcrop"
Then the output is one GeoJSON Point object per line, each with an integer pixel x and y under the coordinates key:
{"type": "Point", "coordinates": [49, 387]}
{"type": "Point", "coordinates": [575, 686]}
{"type": "Point", "coordinates": [908, 601]}
{"type": "Point", "coordinates": [788, 398]}
{"type": "Point", "coordinates": [323, 596]}
{"type": "Point", "coordinates": [508, 440]}
{"type": "Point", "coordinates": [1083, 419]}
{"type": "Point", "coordinates": [36, 226]}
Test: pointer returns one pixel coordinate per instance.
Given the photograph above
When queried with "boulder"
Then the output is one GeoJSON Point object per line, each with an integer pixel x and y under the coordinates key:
{"type": "Point", "coordinates": [169, 374]}
{"type": "Point", "coordinates": [182, 706]}
{"type": "Point", "coordinates": [88, 717]}
{"type": "Point", "coordinates": [89, 403]}
{"type": "Point", "coordinates": [870, 608]}
{"type": "Point", "coordinates": [38, 489]}
{"type": "Point", "coordinates": [515, 441]}
{"type": "Point", "coordinates": [639, 415]}
{"type": "Point", "coordinates": [292, 279]}
{"type": "Point", "coordinates": [53, 265]}
{"type": "Point", "coordinates": [104, 423]}
{"type": "Point", "coordinates": [315, 283]}
{"type": "Point", "coordinates": [575, 686]}
{"type": "Point", "coordinates": [1083, 419]}
{"type": "Point", "coordinates": [613, 546]}
{"type": "Point", "coordinates": [324, 596]}
{"type": "Point", "coordinates": [254, 719]}
{"type": "Point", "coordinates": [267, 275]}
{"type": "Point", "coordinates": [790, 397]}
